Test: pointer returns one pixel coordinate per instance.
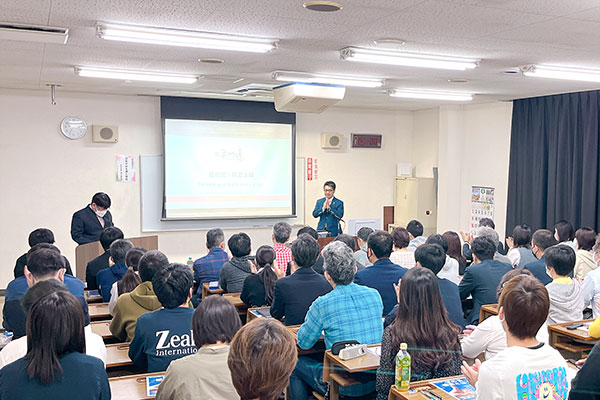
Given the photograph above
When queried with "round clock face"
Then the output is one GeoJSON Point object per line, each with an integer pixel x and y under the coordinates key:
{"type": "Point", "coordinates": [73, 127]}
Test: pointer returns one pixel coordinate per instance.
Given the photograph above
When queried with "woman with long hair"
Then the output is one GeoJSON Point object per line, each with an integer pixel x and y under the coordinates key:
{"type": "Point", "coordinates": [423, 324]}
{"type": "Point", "coordinates": [455, 250]}
{"type": "Point", "coordinates": [258, 288]}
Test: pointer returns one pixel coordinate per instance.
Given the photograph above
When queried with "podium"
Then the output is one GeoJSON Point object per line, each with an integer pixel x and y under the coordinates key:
{"type": "Point", "coordinates": [85, 253]}
{"type": "Point", "coordinates": [326, 240]}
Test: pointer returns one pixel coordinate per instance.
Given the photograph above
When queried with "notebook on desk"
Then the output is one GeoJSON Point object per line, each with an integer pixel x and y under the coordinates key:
{"type": "Point", "coordinates": [459, 388]}
{"type": "Point", "coordinates": [263, 312]}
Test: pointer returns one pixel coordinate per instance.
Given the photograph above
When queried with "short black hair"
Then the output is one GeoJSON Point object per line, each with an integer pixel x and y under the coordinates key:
{"type": "Point", "coordinates": [484, 248]}
{"type": "Point", "coordinates": [43, 262]}
{"type": "Point", "coordinates": [543, 238]}
{"type": "Point", "coordinates": [431, 256]}
{"type": "Point", "coordinates": [214, 238]}
{"type": "Point", "coordinates": [380, 242]}
{"type": "Point", "coordinates": [305, 250]}
{"type": "Point", "coordinates": [565, 230]}
{"type": "Point", "coordinates": [239, 244]}
{"type": "Point", "coordinates": [172, 284]}
{"type": "Point", "coordinates": [330, 183]}
{"type": "Point", "coordinates": [586, 237]}
{"type": "Point", "coordinates": [150, 263]}
{"type": "Point", "coordinates": [41, 235]}
{"type": "Point", "coordinates": [522, 235]}
{"type": "Point", "coordinates": [133, 256]}
{"type": "Point", "coordinates": [363, 233]}
{"type": "Point", "coordinates": [215, 320]}
{"type": "Point", "coordinates": [348, 240]}
{"type": "Point", "coordinates": [118, 249]}
{"type": "Point", "coordinates": [282, 232]}
{"type": "Point", "coordinates": [39, 290]}
{"type": "Point", "coordinates": [561, 258]}
{"type": "Point", "coordinates": [101, 199]}
{"type": "Point", "coordinates": [308, 230]}
{"type": "Point", "coordinates": [439, 240]}
{"type": "Point", "coordinates": [109, 235]}
{"type": "Point", "coordinates": [487, 222]}
{"type": "Point", "coordinates": [415, 228]}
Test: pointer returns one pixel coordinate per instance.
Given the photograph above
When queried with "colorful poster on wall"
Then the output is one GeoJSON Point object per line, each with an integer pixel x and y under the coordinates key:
{"type": "Point", "coordinates": [482, 205]}
{"type": "Point", "coordinates": [125, 168]}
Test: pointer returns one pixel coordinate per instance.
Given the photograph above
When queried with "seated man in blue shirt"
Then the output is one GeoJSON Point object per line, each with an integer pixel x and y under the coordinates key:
{"type": "Point", "coordinates": [348, 312]}
{"type": "Point", "coordinates": [165, 335]}
{"type": "Point", "coordinates": [106, 277]}
{"type": "Point", "coordinates": [43, 262]}
{"type": "Point", "coordinates": [208, 268]}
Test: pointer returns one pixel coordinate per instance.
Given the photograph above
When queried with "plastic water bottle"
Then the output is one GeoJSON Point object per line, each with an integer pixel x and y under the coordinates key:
{"type": "Point", "coordinates": [190, 263]}
{"type": "Point", "coordinates": [402, 380]}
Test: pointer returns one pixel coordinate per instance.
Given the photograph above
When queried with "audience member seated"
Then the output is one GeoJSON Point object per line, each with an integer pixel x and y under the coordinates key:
{"type": "Point", "coordinates": [489, 337]}
{"type": "Point", "coordinates": [348, 312]}
{"type": "Point", "coordinates": [55, 366]}
{"type": "Point", "coordinates": [40, 235]}
{"type": "Point", "coordinates": [383, 274]}
{"type": "Point", "coordinates": [488, 232]}
{"type": "Point", "coordinates": [584, 259]}
{"type": "Point", "coordinates": [318, 265]}
{"type": "Point", "coordinates": [360, 255]}
{"type": "Point", "coordinates": [423, 324]}
{"type": "Point", "coordinates": [565, 233]}
{"type": "Point", "coordinates": [468, 238]}
{"type": "Point", "coordinates": [454, 250]}
{"type": "Point", "coordinates": [401, 255]}
{"type": "Point", "coordinates": [294, 294]}
{"type": "Point", "coordinates": [165, 335]}
{"type": "Point", "coordinates": [261, 358]}
{"type": "Point", "coordinates": [591, 283]}
{"type": "Point", "coordinates": [350, 242]}
{"type": "Point", "coordinates": [520, 246]}
{"type": "Point", "coordinates": [107, 236]}
{"type": "Point", "coordinates": [205, 375]}
{"type": "Point", "coordinates": [415, 234]}
{"type": "Point", "coordinates": [450, 269]}
{"type": "Point", "coordinates": [130, 280]}
{"type": "Point", "coordinates": [514, 372]}
{"type": "Point", "coordinates": [432, 257]}
{"type": "Point", "coordinates": [17, 348]}
{"type": "Point", "coordinates": [586, 385]}
{"type": "Point", "coordinates": [482, 277]}
{"type": "Point", "coordinates": [283, 254]}
{"type": "Point", "coordinates": [258, 288]}
{"type": "Point", "coordinates": [566, 295]}
{"type": "Point", "coordinates": [594, 329]}
{"type": "Point", "coordinates": [208, 268]}
{"type": "Point", "coordinates": [108, 276]}
{"type": "Point", "coordinates": [43, 263]}
{"type": "Point", "coordinates": [542, 240]}
{"type": "Point", "coordinates": [234, 272]}
{"type": "Point", "coordinates": [130, 306]}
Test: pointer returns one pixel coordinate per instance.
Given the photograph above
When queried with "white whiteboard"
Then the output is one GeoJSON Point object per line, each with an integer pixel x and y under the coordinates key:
{"type": "Point", "coordinates": [151, 193]}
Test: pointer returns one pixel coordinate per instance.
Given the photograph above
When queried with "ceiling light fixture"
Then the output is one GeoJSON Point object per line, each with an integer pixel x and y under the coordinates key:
{"type": "Point", "coordinates": [322, 5]}
{"type": "Point", "coordinates": [123, 74]}
{"type": "Point", "coordinates": [407, 59]}
{"type": "Point", "coordinates": [571, 74]}
{"type": "Point", "coordinates": [33, 33]}
{"type": "Point", "coordinates": [289, 76]}
{"type": "Point", "coordinates": [430, 95]}
{"type": "Point", "coordinates": [211, 60]}
{"type": "Point", "coordinates": [183, 38]}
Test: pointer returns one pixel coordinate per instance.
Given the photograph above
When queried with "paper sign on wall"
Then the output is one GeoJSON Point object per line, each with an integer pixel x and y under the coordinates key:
{"type": "Point", "coordinates": [125, 168]}
{"type": "Point", "coordinates": [309, 169]}
{"type": "Point", "coordinates": [482, 205]}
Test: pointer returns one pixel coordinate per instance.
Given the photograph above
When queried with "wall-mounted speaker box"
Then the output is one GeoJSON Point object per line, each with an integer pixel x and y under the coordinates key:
{"type": "Point", "coordinates": [332, 140]}
{"type": "Point", "coordinates": [105, 134]}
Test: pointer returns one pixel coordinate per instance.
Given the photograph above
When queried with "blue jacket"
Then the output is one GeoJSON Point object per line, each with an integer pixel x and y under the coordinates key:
{"type": "Point", "coordinates": [329, 220]}
{"type": "Point", "coordinates": [480, 281]}
{"type": "Point", "coordinates": [107, 277]}
{"type": "Point", "coordinates": [381, 276]}
{"type": "Point", "coordinates": [538, 269]}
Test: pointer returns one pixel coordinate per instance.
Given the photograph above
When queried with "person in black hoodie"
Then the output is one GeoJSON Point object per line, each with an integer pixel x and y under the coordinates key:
{"type": "Point", "coordinates": [107, 236]}
{"type": "Point", "coordinates": [586, 385]}
{"type": "Point", "coordinates": [108, 276]}
{"type": "Point", "coordinates": [235, 271]}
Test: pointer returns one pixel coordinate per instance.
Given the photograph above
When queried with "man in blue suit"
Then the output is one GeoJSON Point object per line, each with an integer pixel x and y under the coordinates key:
{"type": "Point", "coordinates": [329, 210]}
{"type": "Point", "coordinates": [383, 274]}
{"type": "Point", "coordinates": [542, 239]}
{"type": "Point", "coordinates": [483, 276]}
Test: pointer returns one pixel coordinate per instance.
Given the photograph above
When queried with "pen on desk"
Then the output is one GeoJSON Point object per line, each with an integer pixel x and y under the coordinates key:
{"type": "Point", "coordinates": [428, 395]}
{"type": "Point", "coordinates": [435, 396]}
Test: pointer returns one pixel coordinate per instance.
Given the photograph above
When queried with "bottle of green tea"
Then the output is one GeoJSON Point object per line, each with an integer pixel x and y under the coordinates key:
{"type": "Point", "coordinates": [402, 380]}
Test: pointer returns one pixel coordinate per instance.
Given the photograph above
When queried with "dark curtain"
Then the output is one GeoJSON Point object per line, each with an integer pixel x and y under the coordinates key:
{"type": "Point", "coordinates": [554, 171]}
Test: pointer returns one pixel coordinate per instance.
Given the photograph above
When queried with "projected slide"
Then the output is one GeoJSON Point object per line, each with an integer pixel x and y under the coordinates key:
{"type": "Point", "coordinates": [221, 169]}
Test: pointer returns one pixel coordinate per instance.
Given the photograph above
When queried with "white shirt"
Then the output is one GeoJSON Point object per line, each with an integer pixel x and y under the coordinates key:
{"type": "Point", "coordinates": [591, 290]}
{"type": "Point", "coordinates": [489, 338]}
{"type": "Point", "coordinates": [404, 259]}
{"type": "Point", "coordinates": [522, 373]}
{"type": "Point", "coordinates": [15, 349]}
{"type": "Point", "coordinates": [114, 295]}
{"type": "Point", "coordinates": [450, 271]}
{"type": "Point", "coordinates": [514, 256]}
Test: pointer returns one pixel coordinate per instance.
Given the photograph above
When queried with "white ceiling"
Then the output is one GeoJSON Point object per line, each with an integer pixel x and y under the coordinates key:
{"type": "Point", "coordinates": [503, 33]}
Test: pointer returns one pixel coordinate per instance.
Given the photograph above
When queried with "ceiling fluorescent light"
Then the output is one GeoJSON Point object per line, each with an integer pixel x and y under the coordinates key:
{"type": "Point", "coordinates": [407, 59]}
{"type": "Point", "coordinates": [91, 72]}
{"type": "Point", "coordinates": [430, 95]}
{"type": "Point", "coordinates": [33, 33]}
{"type": "Point", "coordinates": [288, 76]}
{"type": "Point", "coordinates": [571, 74]}
{"type": "Point", "coordinates": [183, 38]}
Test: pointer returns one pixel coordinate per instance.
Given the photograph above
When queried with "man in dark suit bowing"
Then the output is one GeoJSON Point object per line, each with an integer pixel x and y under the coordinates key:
{"type": "Point", "coordinates": [329, 210]}
{"type": "Point", "coordinates": [87, 223]}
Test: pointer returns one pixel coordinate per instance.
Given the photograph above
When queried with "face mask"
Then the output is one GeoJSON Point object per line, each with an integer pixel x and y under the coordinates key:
{"type": "Point", "coordinates": [101, 213]}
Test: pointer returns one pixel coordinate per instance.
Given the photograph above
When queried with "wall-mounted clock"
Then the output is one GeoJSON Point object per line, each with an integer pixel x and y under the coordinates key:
{"type": "Point", "coordinates": [73, 127]}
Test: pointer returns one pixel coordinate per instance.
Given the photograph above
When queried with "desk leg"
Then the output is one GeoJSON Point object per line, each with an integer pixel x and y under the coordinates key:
{"type": "Point", "coordinates": [334, 390]}
{"type": "Point", "coordinates": [553, 338]}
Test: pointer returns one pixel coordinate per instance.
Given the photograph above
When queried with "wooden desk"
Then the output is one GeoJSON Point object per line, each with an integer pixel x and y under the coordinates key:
{"type": "Point", "coordinates": [130, 387]}
{"type": "Point", "coordinates": [396, 394]}
{"type": "Point", "coordinates": [206, 291]}
{"type": "Point", "coordinates": [99, 311]}
{"type": "Point", "coordinates": [117, 355]}
{"type": "Point", "coordinates": [101, 328]}
{"type": "Point", "coordinates": [331, 364]}
{"type": "Point", "coordinates": [573, 342]}
{"type": "Point", "coordinates": [235, 299]}
{"type": "Point", "coordinates": [97, 298]}
{"type": "Point", "coordinates": [253, 314]}
{"type": "Point", "coordinates": [487, 311]}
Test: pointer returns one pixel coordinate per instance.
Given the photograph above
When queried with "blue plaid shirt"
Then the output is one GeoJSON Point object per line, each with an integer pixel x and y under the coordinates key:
{"type": "Point", "coordinates": [347, 312]}
{"type": "Point", "coordinates": [208, 268]}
